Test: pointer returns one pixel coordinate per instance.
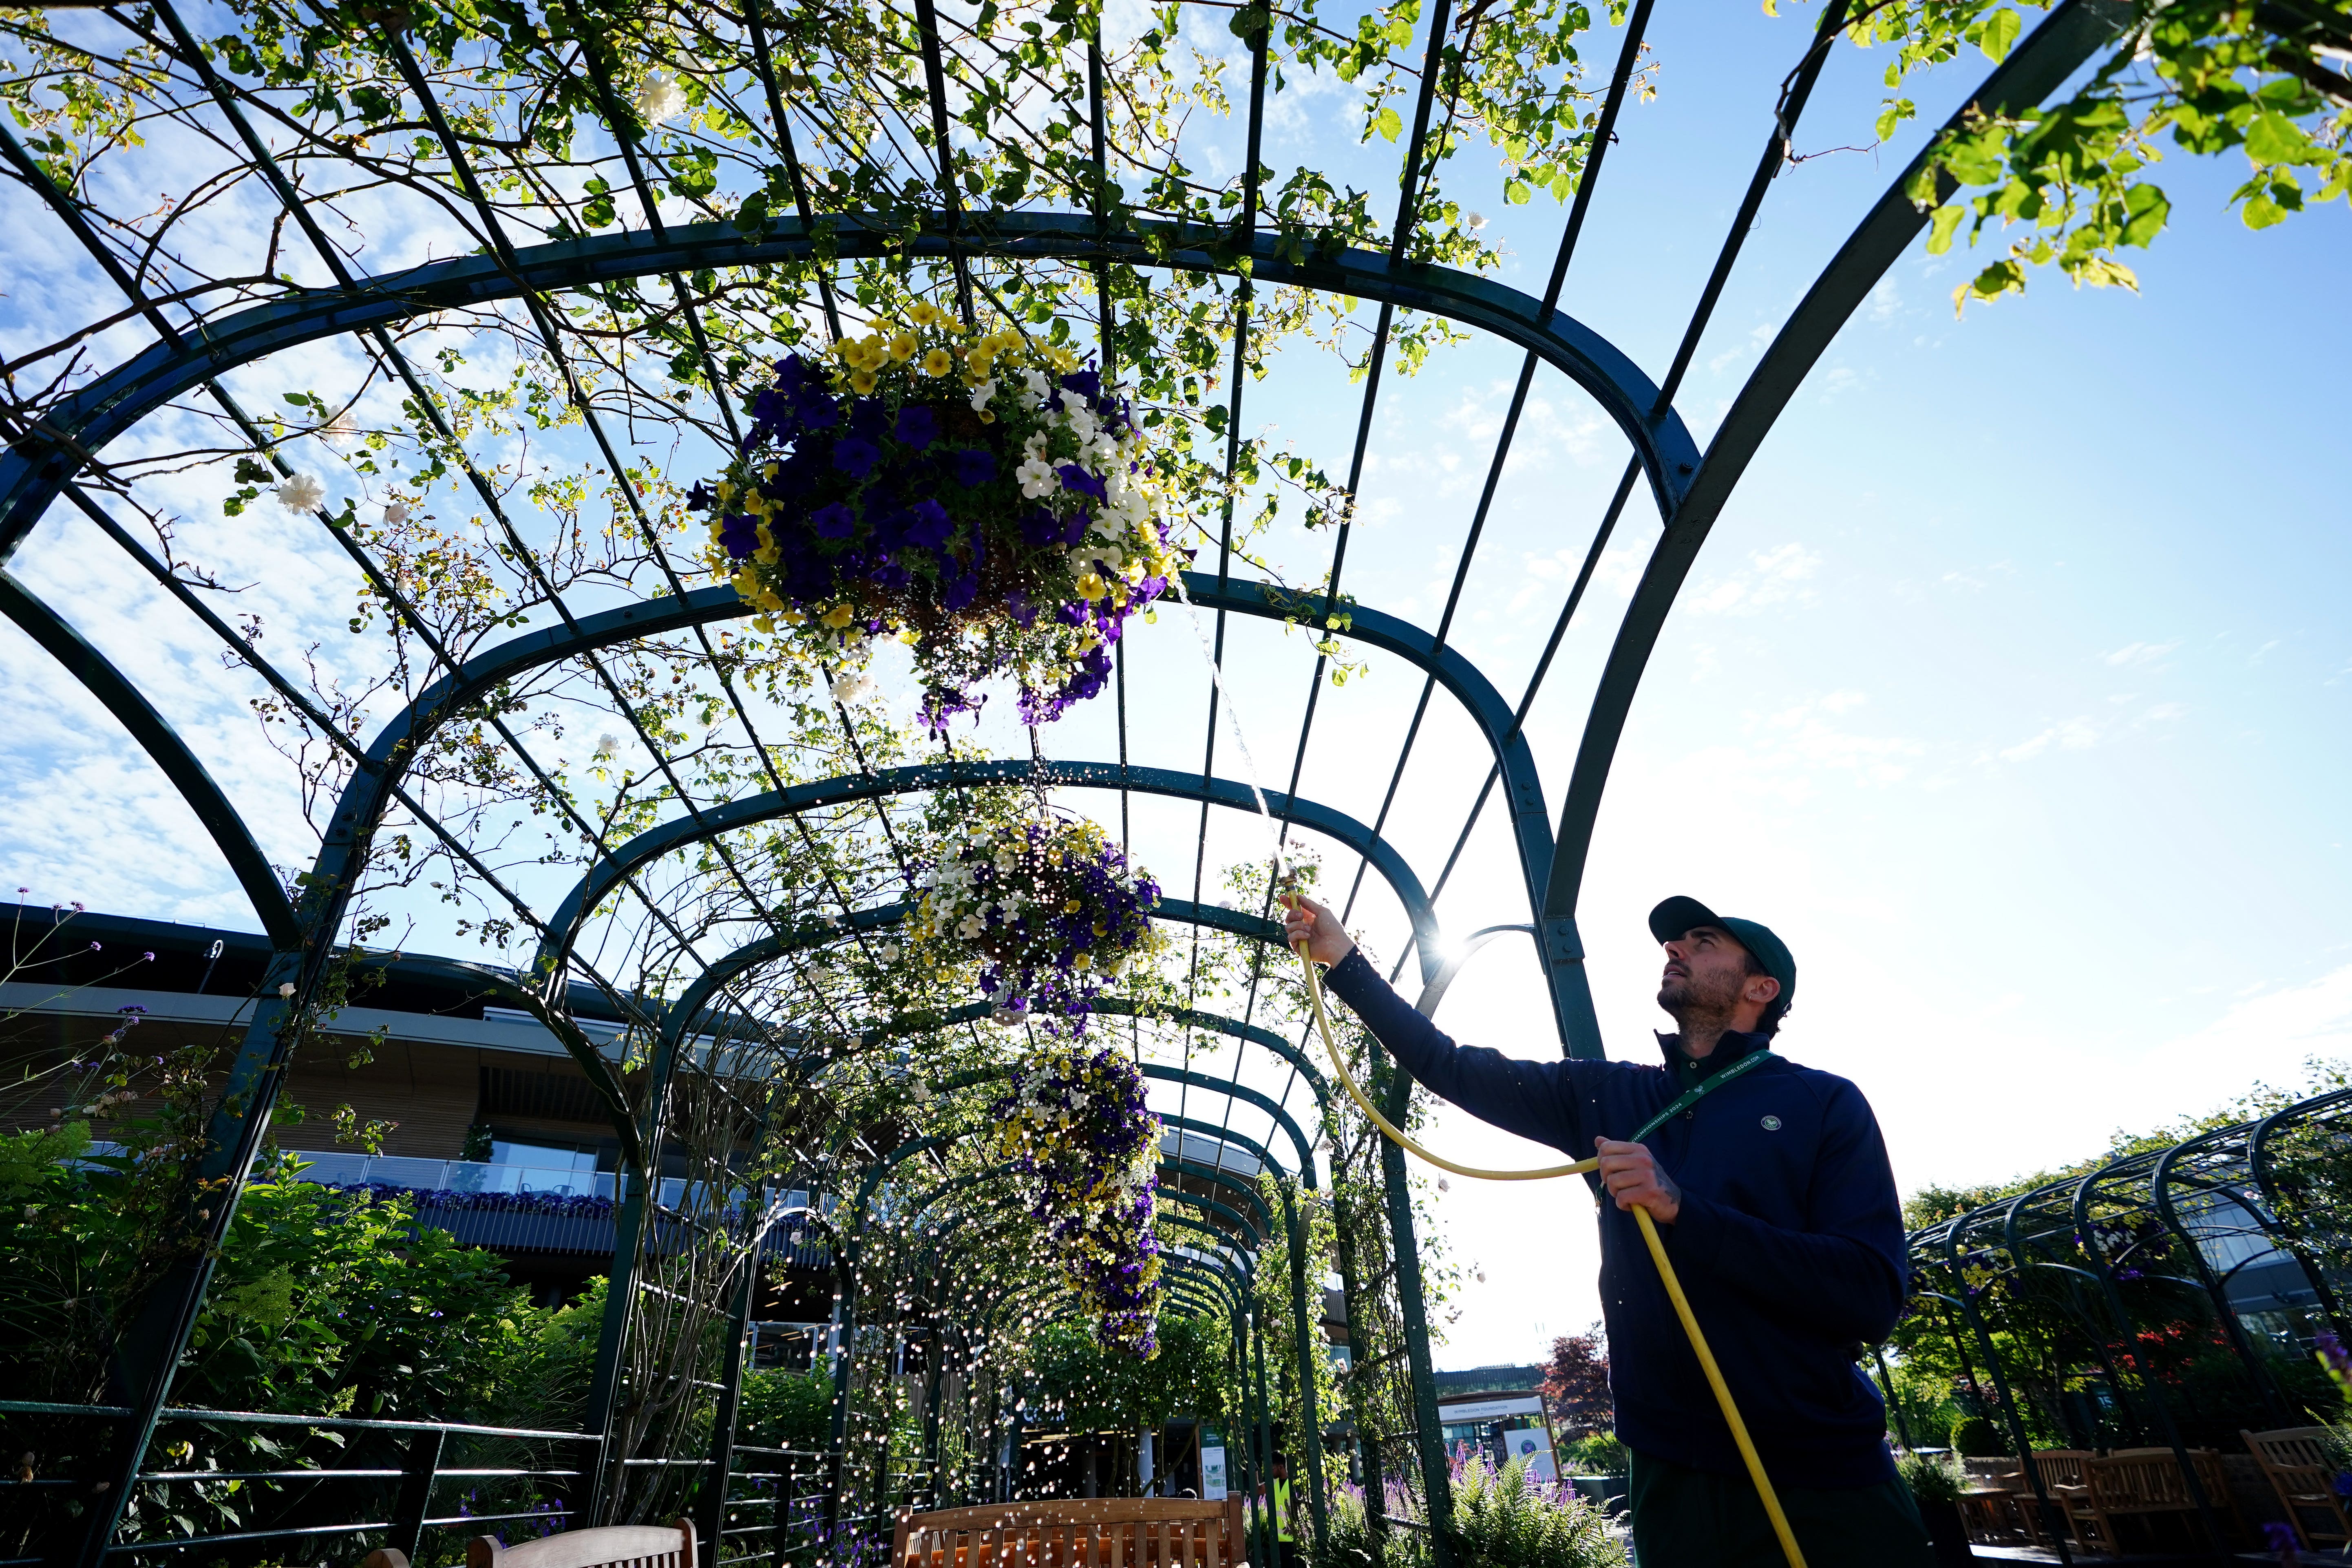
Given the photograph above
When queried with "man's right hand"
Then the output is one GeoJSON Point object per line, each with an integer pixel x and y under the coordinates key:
{"type": "Point", "coordinates": [1306, 920]}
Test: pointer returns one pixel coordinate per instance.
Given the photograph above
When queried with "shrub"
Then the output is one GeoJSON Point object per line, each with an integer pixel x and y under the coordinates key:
{"type": "Point", "coordinates": [1976, 1438]}
{"type": "Point", "coordinates": [1933, 1478]}
{"type": "Point", "coordinates": [1600, 1455]}
{"type": "Point", "coordinates": [786, 1410]}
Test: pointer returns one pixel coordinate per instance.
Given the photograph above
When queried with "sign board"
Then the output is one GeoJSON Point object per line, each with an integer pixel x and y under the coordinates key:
{"type": "Point", "coordinates": [1490, 1409]}
{"type": "Point", "coordinates": [1532, 1447]}
{"type": "Point", "coordinates": [1212, 1474]}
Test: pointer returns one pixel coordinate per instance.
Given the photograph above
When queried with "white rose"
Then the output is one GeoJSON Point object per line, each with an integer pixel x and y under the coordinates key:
{"type": "Point", "coordinates": [396, 512]}
{"type": "Point", "coordinates": [659, 97]}
{"type": "Point", "coordinates": [300, 492]}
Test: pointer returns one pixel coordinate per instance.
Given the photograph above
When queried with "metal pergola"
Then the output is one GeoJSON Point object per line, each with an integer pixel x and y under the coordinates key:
{"type": "Point", "coordinates": [55, 470]}
{"type": "Point", "coordinates": [2229, 1239]}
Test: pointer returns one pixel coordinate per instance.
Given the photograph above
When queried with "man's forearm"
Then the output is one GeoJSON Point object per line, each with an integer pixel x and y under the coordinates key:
{"type": "Point", "coordinates": [1532, 1100]}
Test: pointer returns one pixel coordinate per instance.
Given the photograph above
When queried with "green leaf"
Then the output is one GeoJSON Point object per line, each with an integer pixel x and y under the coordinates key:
{"type": "Point", "coordinates": [1941, 223]}
{"type": "Point", "coordinates": [1387, 125]}
{"type": "Point", "coordinates": [1517, 192]}
{"type": "Point", "coordinates": [2262, 212]}
{"type": "Point", "coordinates": [2273, 138]}
{"type": "Point", "coordinates": [2001, 30]}
{"type": "Point", "coordinates": [598, 212]}
{"type": "Point", "coordinates": [2149, 209]}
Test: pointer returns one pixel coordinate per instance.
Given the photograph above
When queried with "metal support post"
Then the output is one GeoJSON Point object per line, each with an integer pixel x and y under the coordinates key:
{"type": "Point", "coordinates": [415, 1499]}
{"type": "Point", "coordinates": [712, 1525]}
{"type": "Point", "coordinates": [1429, 1435]}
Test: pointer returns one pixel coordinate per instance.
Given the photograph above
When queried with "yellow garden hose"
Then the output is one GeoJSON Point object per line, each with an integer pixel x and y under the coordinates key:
{"type": "Point", "coordinates": [1640, 1216]}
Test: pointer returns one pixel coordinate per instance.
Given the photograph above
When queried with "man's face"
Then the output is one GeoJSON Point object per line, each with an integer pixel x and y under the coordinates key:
{"type": "Point", "coordinates": [1707, 969]}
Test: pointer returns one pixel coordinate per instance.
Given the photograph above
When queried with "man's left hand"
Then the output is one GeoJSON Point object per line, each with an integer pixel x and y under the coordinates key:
{"type": "Point", "coordinates": [1632, 1174]}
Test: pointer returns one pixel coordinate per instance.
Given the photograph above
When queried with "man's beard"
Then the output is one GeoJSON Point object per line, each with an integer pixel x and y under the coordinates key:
{"type": "Point", "coordinates": [1687, 998]}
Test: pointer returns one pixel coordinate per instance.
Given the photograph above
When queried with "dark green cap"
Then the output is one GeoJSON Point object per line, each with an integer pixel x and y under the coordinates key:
{"type": "Point", "coordinates": [1678, 915]}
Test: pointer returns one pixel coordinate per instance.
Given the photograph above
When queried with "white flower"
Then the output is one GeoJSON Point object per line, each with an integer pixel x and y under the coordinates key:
{"type": "Point", "coordinates": [1476, 222]}
{"type": "Point", "coordinates": [286, 991]}
{"type": "Point", "coordinates": [1444, 1185]}
{"type": "Point", "coordinates": [983, 393]}
{"type": "Point", "coordinates": [1081, 421]}
{"type": "Point", "coordinates": [1033, 388]}
{"type": "Point", "coordinates": [396, 512]}
{"type": "Point", "coordinates": [852, 686]}
{"type": "Point", "coordinates": [888, 952]}
{"type": "Point", "coordinates": [342, 433]}
{"type": "Point", "coordinates": [300, 492]}
{"type": "Point", "coordinates": [659, 98]}
{"type": "Point", "coordinates": [606, 746]}
{"type": "Point", "coordinates": [1038, 478]}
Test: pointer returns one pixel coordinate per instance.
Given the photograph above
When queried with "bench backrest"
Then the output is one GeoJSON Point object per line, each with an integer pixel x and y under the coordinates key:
{"type": "Point", "coordinates": [2150, 1478]}
{"type": "Point", "coordinates": [2059, 1466]}
{"type": "Point", "coordinates": [1074, 1532]}
{"type": "Point", "coordinates": [2291, 1448]}
{"type": "Point", "coordinates": [614, 1546]}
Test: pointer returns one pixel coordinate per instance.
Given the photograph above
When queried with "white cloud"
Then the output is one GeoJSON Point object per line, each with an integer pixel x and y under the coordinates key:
{"type": "Point", "coordinates": [2073, 736]}
{"type": "Point", "coordinates": [2140, 653]}
{"type": "Point", "coordinates": [1771, 577]}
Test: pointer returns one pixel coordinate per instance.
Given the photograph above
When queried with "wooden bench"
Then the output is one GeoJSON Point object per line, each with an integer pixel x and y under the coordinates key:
{"type": "Point", "coordinates": [2295, 1460]}
{"type": "Point", "coordinates": [614, 1546]}
{"type": "Point", "coordinates": [1068, 1532]}
{"type": "Point", "coordinates": [2142, 1483]}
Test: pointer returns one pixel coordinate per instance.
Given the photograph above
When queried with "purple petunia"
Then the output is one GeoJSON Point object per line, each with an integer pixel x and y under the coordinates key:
{"type": "Point", "coordinates": [974, 466]}
{"type": "Point", "coordinates": [931, 526]}
{"type": "Point", "coordinates": [917, 426]}
{"type": "Point", "coordinates": [855, 455]}
{"type": "Point", "coordinates": [835, 521]}
{"type": "Point", "coordinates": [740, 535]}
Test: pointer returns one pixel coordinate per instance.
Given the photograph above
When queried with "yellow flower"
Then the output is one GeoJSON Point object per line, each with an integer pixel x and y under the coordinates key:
{"type": "Point", "coordinates": [925, 314]}
{"type": "Point", "coordinates": [1072, 907]}
{"type": "Point", "coordinates": [902, 347]}
{"type": "Point", "coordinates": [840, 616]}
{"type": "Point", "coordinates": [1090, 587]}
{"type": "Point", "coordinates": [938, 361]}
{"type": "Point", "coordinates": [862, 381]}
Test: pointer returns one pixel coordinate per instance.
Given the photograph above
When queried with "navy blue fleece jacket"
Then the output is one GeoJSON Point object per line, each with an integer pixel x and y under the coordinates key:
{"type": "Point", "coordinates": [1788, 1243]}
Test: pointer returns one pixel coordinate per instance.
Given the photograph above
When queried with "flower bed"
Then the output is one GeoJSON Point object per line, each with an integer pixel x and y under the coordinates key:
{"type": "Point", "coordinates": [989, 502]}
{"type": "Point", "coordinates": [1046, 909]}
{"type": "Point", "coordinates": [1077, 1128]}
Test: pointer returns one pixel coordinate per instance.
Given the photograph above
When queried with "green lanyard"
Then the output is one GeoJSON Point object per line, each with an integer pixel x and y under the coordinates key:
{"type": "Point", "coordinates": [1699, 1091]}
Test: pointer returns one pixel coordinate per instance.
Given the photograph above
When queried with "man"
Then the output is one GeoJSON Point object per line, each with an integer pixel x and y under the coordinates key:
{"type": "Point", "coordinates": [1771, 1191]}
{"type": "Point", "coordinates": [1285, 1517]}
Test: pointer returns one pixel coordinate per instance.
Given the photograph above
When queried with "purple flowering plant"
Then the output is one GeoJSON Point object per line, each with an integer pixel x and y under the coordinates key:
{"type": "Point", "coordinates": [989, 502]}
{"type": "Point", "coordinates": [1077, 1128]}
{"type": "Point", "coordinates": [1042, 909]}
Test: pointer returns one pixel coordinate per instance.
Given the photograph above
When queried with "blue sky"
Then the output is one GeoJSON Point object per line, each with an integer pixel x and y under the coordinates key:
{"type": "Point", "coordinates": [2011, 688]}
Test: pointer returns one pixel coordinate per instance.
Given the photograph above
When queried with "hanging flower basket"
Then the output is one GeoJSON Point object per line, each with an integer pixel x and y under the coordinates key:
{"type": "Point", "coordinates": [1045, 909]}
{"type": "Point", "coordinates": [990, 502]}
{"type": "Point", "coordinates": [1077, 1128]}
